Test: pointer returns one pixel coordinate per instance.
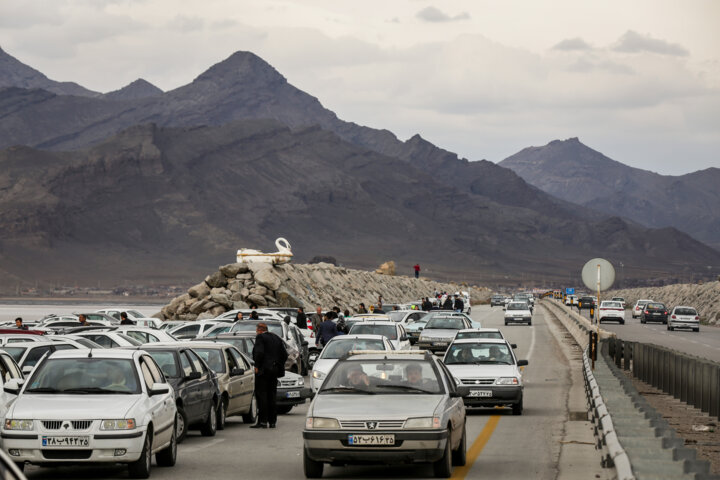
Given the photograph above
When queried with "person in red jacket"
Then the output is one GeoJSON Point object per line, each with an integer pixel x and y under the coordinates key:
{"type": "Point", "coordinates": [417, 270]}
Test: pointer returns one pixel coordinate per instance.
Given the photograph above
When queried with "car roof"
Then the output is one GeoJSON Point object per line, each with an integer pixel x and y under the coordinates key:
{"type": "Point", "coordinates": [33, 344]}
{"type": "Point", "coordinates": [684, 306]}
{"type": "Point", "coordinates": [96, 353]}
{"type": "Point", "coordinates": [379, 322]}
{"type": "Point", "coordinates": [360, 336]}
{"type": "Point", "coordinates": [468, 330]}
{"type": "Point", "coordinates": [481, 340]}
{"type": "Point", "coordinates": [203, 344]}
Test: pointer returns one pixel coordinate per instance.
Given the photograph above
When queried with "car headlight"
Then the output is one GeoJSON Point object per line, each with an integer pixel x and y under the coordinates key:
{"type": "Point", "coordinates": [300, 382]}
{"type": "Point", "coordinates": [318, 374]}
{"type": "Point", "coordinates": [507, 381]}
{"type": "Point", "coordinates": [458, 382]}
{"type": "Point", "coordinates": [320, 422]}
{"type": "Point", "coordinates": [119, 424]}
{"type": "Point", "coordinates": [423, 422]}
{"type": "Point", "coordinates": [18, 424]}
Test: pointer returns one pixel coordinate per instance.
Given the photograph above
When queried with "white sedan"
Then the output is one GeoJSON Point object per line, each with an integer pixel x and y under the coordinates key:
{"type": "Point", "coordinates": [611, 311]}
{"type": "Point", "coordinates": [393, 331]}
{"type": "Point", "coordinates": [89, 406]}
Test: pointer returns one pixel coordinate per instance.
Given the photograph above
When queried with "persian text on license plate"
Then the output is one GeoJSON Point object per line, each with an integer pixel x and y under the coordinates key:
{"type": "Point", "coordinates": [65, 441]}
{"type": "Point", "coordinates": [379, 439]}
{"type": "Point", "coordinates": [293, 394]}
{"type": "Point", "coordinates": [480, 393]}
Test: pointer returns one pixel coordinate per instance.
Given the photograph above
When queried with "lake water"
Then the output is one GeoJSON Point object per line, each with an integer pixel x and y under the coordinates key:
{"type": "Point", "coordinates": [30, 312]}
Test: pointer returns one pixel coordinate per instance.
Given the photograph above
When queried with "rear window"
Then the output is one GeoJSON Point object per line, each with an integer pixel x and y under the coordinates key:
{"type": "Point", "coordinates": [445, 323]}
{"type": "Point", "coordinates": [388, 331]}
{"type": "Point", "coordinates": [685, 311]}
{"type": "Point", "coordinates": [611, 305]}
{"type": "Point", "coordinates": [655, 305]}
{"type": "Point", "coordinates": [462, 335]}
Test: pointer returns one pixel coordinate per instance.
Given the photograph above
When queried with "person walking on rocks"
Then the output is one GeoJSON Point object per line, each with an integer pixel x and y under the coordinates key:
{"type": "Point", "coordinates": [302, 319]}
{"type": "Point", "coordinates": [316, 319]}
{"type": "Point", "coordinates": [269, 355]}
{"type": "Point", "coordinates": [417, 270]}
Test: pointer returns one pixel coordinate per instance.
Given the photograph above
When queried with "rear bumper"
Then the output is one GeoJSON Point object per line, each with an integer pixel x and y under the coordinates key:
{"type": "Point", "coordinates": [683, 323]}
{"type": "Point", "coordinates": [501, 396]}
{"type": "Point", "coordinates": [287, 396]}
{"type": "Point", "coordinates": [518, 319]}
{"type": "Point", "coordinates": [655, 318]}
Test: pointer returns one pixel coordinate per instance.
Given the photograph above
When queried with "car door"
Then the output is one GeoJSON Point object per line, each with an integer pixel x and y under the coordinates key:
{"type": "Point", "coordinates": [248, 383]}
{"type": "Point", "coordinates": [206, 384]}
{"type": "Point", "coordinates": [191, 388]}
{"type": "Point", "coordinates": [240, 390]}
{"type": "Point", "coordinates": [401, 333]}
{"type": "Point", "coordinates": [455, 406]}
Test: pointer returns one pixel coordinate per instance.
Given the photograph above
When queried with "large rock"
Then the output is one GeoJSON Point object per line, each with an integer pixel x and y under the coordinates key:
{"type": "Point", "coordinates": [235, 285]}
{"type": "Point", "coordinates": [237, 297]}
{"type": "Point", "coordinates": [216, 311]}
{"type": "Point", "coordinates": [221, 299]}
{"type": "Point", "coordinates": [232, 269]}
{"type": "Point", "coordinates": [257, 300]}
{"type": "Point", "coordinates": [215, 280]}
{"type": "Point", "coordinates": [286, 299]}
{"type": "Point", "coordinates": [256, 267]}
{"type": "Point", "coordinates": [258, 290]}
{"type": "Point", "coordinates": [200, 290]}
{"type": "Point", "coordinates": [243, 276]}
{"type": "Point", "coordinates": [387, 268]}
{"type": "Point", "coordinates": [198, 307]}
{"type": "Point", "coordinates": [205, 316]}
{"type": "Point", "coordinates": [240, 305]}
{"type": "Point", "coordinates": [268, 279]}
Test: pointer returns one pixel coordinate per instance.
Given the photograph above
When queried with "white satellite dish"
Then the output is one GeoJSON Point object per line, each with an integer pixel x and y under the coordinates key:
{"type": "Point", "coordinates": [598, 270]}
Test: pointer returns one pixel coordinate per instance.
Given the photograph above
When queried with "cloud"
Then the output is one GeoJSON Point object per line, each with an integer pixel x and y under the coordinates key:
{"type": "Point", "coordinates": [185, 24]}
{"type": "Point", "coordinates": [435, 15]}
{"type": "Point", "coordinates": [572, 44]}
{"type": "Point", "coordinates": [633, 42]}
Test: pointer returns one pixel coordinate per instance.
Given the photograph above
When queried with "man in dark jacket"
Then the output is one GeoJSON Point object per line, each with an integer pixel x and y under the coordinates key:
{"type": "Point", "coordinates": [326, 330]}
{"type": "Point", "coordinates": [426, 305]}
{"type": "Point", "coordinates": [301, 318]}
{"type": "Point", "coordinates": [459, 304]}
{"type": "Point", "coordinates": [124, 320]}
{"type": "Point", "coordinates": [269, 355]}
{"type": "Point", "coordinates": [448, 305]}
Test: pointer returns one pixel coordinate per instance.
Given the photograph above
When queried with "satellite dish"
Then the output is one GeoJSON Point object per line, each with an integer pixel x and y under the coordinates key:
{"type": "Point", "coordinates": [590, 274]}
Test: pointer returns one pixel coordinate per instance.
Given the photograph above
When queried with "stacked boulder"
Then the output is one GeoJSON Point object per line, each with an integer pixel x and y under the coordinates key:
{"type": "Point", "coordinates": [243, 285]}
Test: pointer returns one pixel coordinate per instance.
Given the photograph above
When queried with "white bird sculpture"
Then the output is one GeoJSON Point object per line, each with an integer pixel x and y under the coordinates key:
{"type": "Point", "coordinates": [283, 255]}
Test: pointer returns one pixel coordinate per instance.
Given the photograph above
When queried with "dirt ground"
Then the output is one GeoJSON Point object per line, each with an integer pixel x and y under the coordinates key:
{"type": "Point", "coordinates": [698, 429]}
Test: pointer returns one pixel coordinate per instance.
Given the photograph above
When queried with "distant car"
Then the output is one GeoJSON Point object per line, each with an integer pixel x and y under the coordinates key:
{"type": "Point", "coordinates": [9, 338]}
{"type": "Point", "coordinates": [28, 354]}
{"type": "Point", "coordinates": [571, 300]}
{"type": "Point", "coordinates": [518, 312]}
{"type": "Point", "coordinates": [291, 391]}
{"type": "Point", "coordinates": [393, 331]}
{"type": "Point", "coordinates": [406, 317]}
{"type": "Point", "coordinates": [245, 340]}
{"type": "Point", "coordinates": [415, 329]}
{"type": "Point", "coordinates": [112, 339]}
{"type": "Point", "coordinates": [57, 324]}
{"type": "Point", "coordinates": [440, 330]}
{"type": "Point", "coordinates": [684, 317]}
{"type": "Point", "coordinates": [654, 312]}
{"type": "Point", "coordinates": [497, 300]}
{"type": "Point", "coordinates": [190, 330]}
{"type": "Point", "coordinates": [611, 311]}
{"type": "Point", "coordinates": [115, 313]}
{"type": "Point", "coordinates": [619, 299]}
{"type": "Point", "coordinates": [638, 308]}
{"type": "Point", "coordinates": [99, 316]}
{"type": "Point", "coordinates": [146, 335]}
{"type": "Point", "coordinates": [290, 333]}
{"type": "Point", "coordinates": [263, 314]}
{"type": "Point", "coordinates": [586, 303]}
{"type": "Point", "coordinates": [479, 333]}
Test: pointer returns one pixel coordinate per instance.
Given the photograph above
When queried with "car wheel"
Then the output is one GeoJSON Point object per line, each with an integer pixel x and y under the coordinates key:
{"type": "Point", "coordinates": [222, 414]}
{"type": "Point", "coordinates": [696, 329]}
{"type": "Point", "coordinates": [140, 468]}
{"type": "Point", "coordinates": [168, 456]}
{"type": "Point", "coordinates": [506, 324]}
{"type": "Point", "coordinates": [529, 322]}
{"type": "Point", "coordinates": [517, 408]}
{"type": "Point", "coordinates": [251, 415]}
{"type": "Point", "coordinates": [312, 468]}
{"type": "Point", "coordinates": [209, 428]}
{"type": "Point", "coordinates": [284, 409]}
{"type": "Point", "coordinates": [181, 424]}
{"type": "Point", "coordinates": [443, 467]}
{"type": "Point", "coordinates": [670, 328]}
{"type": "Point", "coordinates": [459, 456]}
{"type": "Point", "coordinates": [622, 322]}
{"type": "Point", "coordinates": [665, 322]}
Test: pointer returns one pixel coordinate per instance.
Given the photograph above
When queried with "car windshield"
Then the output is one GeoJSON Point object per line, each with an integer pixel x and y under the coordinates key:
{"type": "Point", "coordinates": [213, 357]}
{"type": "Point", "coordinates": [685, 311]}
{"type": "Point", "coordinates": [611, 305]}
{"type": "Point", "coordinates": [619, 299]}
{"type": "Point", "coordinates": [517, 306]}
{"type": "Point", "coordinates": [337, 348]}
{"type": "Point", "coordinates": [369, 329]}
{"type": "Point", "coordinates": [84, 376]}
{"type": "Point", "coordinates": [16, 352]}
{"type": "Point", "coordinates": [655, 305]}
{"type": "Point", "coordinates": [382, 377]}
{"type": "Point", "coordinates": [166, 362]}
{"type": "Point", "coordinates": [275, 328]}
{"type": "Point", "coordinates": [445, 323]}
{"type": "Point", "coordinates": [396, 316]}
{"type": "Point", "coordinates": [129, 339]}
{"type": "Point", "coordinates": [218, 329]}
{"type": "Point", "coordinates": [462, 335]}
{"type": "Point", "coordinates": [478, 353]}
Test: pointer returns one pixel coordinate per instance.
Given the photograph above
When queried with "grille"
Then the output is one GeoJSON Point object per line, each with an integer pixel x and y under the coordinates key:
{"type": "Point", "coordinates": [66, 454]}
{"type": "Point", "coordinates": [52, 424]}
{"type": "Point", "coordinates": [76, 424]}
{"type": "Point", "coordinates": [362, 424]}
{"type": "Point", "coordinates": [286, 383]}
{"type": "Point", "coordinates": [81, 424]}
{"type": "Point", "coordinates": [478, 381]}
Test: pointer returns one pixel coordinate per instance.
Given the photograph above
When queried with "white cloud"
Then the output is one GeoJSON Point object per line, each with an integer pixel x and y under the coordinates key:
{"type": "Point", "coordinates": [633, 42]}
{"type": "Point", "coordinates": [572, 44]}
{"type": "Point", "coordinates": [433, 14]}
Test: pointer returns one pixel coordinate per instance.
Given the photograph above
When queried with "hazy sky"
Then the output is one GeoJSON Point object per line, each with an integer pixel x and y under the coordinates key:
{"type": "Point", "coordinates": [638, 81]}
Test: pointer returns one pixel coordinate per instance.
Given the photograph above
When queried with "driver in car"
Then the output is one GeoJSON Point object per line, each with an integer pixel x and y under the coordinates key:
{"type": "Point", "coordinates": [413, 373]}
{"type": "Point", "coordinates": [358, 378]}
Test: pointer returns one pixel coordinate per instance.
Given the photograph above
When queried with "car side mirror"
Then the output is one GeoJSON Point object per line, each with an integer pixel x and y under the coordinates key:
{"type": "Point", "coordinates": [27, 370]}
{"type": "Point", "coordinates": [13, 385]}
{"type": "Point", "coordinates": [513, 345]}
{"type": "Point", "coordinates": [305, 343]}
{"type": "Point", "coordinates": [159, 389]}
{"type": "Point", "coordinates": [460, 392]}
{"type": "Point", "coordinates": [193, 376]}
{"type": "Point", "coordinates": [522, 363]}
{"type": "Point", "coordinates": [403, 338]}
{"type": "Point", "coordinates": [237, 372]}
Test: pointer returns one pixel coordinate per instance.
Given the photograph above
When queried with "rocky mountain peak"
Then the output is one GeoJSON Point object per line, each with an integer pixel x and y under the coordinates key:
{"type": "Point", "coordinates": [140, 88]}
{"type": "Point", "coordinates": [241, 68]}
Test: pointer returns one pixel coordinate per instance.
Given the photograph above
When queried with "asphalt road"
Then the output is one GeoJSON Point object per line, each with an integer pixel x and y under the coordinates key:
{"type": "Point", "coordinates": [499, 445]}
{"type": "Point", "coordinates": [705, 343]}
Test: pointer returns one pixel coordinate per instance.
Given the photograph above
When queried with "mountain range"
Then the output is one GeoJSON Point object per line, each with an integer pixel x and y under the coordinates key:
{"type": "Point", "coordinates": [140, 184]}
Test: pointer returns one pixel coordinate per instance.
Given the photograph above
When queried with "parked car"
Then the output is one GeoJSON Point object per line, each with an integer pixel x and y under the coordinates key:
{"type": "Point", "coordinates": [290, 333]}
{"type": "Point", "coordinates": [392, 407]}
{"type": "Point", "coordinates": [115, 313]}
{"type": "Point", "coordinates": [59, 324]}
{"type": "Point", "coordinates": [80, 407]}
{"type": "Point", "coordinates": [684, 317]}
{"type": "Point", "coordinates": [100, 317]}
{"type": "Point", "coordinates": [611, 311]}
{"type": "Point", "coordinates": [341, 345]}
{"type": "Point", "coordinates": [490, 369]}
{"type": "Point", "coordinates": [393, 331]}
{"type": "Point", "coordinates": [518, 312]}
{"type": "Point", "coordinates": [113, 339]}
{"type": "Point", "coordinates": [9, 370]}
{"type": "Point", "coordinates": [406, 317]}
{"type": "Point", "coordinates": [190, 330]}
{"type": "Point", "coordinates": [440, 330]}
{"type": "Point", "coordinates": [79, 342]}
{"type": "Point", "coordinates": [291, 391]}
{"type": "Point", "coordinates": [146, 335]}
{"type": "Point", "coordinates": [638, 308]}
{"type": "Point", "coordinates": [28, 354]}
{"type": "Point", "coordinates": [263, 314]}
{"type": "Point", "coordinates": [654, 312]}
{"type": "Point", "coordinates": [195, 387]}
{"type": "Point", "coordinates": [36, 336]}
{"type": "Point", "coordinates": [245, 340]}
{"type": "Point", "coordinates": [415, 329]}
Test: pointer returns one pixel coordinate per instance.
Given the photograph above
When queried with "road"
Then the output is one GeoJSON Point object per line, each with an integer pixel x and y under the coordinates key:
{"type": "Point", "coordinates": [705, 343]}
{"type": "Point", "coordinates": [499, 445]}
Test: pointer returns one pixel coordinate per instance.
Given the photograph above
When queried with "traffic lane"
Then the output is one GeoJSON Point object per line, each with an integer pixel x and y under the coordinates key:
{"type": "Point", "coordinates": [705, 343]}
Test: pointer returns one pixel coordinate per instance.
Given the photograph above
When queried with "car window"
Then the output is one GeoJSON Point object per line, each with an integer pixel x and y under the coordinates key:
{"type": "Point", "coordinates": [155, 371]}
{"type": "Point", "coordinates": [18, 340]}
{"type": "Point", "coordinates": [477, 334]}
{"type": "Point", "coordinates": [189, 330]}
{"type": "Point", "coordinates": [147, 376]}
{"type": "Point", "coordinates": [185, 364]}
{"type": "Point", "coordinates": [34, 355]}
{"type": "Point", "coordinates": [128, 339]}
{"type": "Point", "coordinates": [65, 346]}
{"type": "Point", "coordinates": [166, 362]}
{"type": "Point", "coordinates": [197, 364]}
{"type": "Point", "coordinates": [102, 340]}
{"type": "Point", "coordinates": [16, 352]}
{"type": "Point", "coordinates": [213, 357]}
{"type": "Point", "coordinates": [396, 376]}
{"type": "Point", "coordinates": [134, 313]}
{"type": "Point", "coordinates": [247, 326]}
{"type": "Point", "coordinates": [9, 369]}
{"type": "Point", "coordinates": [337, 348]}
{"type": "Point", "coordinates": [685, 311]}
{"type": "Point", "coordinates": [141, 337]}
{"type": "Point", "coordinates": [478, 354]}
{"type": "Point", "coordinates": [231, 361]}
{"type": "Point", "coordinates": [240, 359]}
{"type": "Point", "coordinates": [388, 331]}
{"type": "Point", "coordinates": [85, 375]}
{"type": "Point", "coordinates": [448, 323]}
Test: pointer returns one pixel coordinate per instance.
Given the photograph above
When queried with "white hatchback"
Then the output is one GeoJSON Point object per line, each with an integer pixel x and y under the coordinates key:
{"type": "Point", "coordinates": [639, 305]}
{"type": "Point", "coordinates": [684, 317]}
{"type": "Point", "coordinates": [111, 406]}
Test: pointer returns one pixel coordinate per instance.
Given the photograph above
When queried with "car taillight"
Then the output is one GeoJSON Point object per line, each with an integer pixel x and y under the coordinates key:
{"type": "Point", "coordinates": [665, 313]}
{"type": "Point", "coordinates": [673, 316]}
{"type": "Point", "coordinates": [646, 312]}
{"type": "Point", "coordinates": [697, 318]}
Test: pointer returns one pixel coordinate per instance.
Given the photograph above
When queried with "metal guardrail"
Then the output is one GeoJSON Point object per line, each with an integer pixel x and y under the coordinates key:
{"type": "Point", "coordinates": [690, 379]}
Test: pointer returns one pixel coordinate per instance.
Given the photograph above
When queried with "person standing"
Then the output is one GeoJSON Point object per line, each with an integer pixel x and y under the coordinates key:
{"type": "Point", "coordinates": [362, 309]}
{"type": "Point", "coordinates": [426, 305]}
{"type": "Point", "coordinates": [82, 319]}
{"type": "Point", "coordinates": [269, 355]}
{"type": "Point", "coordinates": [448, 303]}
{"type": "Point", "coordinates": [124, 320]}
{"type": "Point", "coordinates": [302, 319]}
{"type": "Point", "coordinates": [417, 270]}
{"type": "Point", "coordinates": [19, 324]}
{"type": "Point", "coordinates": [459, 304]}
{"type": "Point", "coordinates": [316, 319]}
{"type": "Point", "coordinates": [326, 330]}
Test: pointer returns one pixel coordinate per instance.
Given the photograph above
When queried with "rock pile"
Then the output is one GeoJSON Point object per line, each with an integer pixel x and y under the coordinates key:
{"type": "Point", "coordinates": [705, 298]}
{"type": "Point", "coordinates": [241, 285]}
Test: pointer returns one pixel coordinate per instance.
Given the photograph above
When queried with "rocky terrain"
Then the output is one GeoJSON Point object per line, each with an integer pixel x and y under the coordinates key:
{"type": "Point", "coordinates": [704, 297]}
{"type": "Point", "coordinates": [241, 285]}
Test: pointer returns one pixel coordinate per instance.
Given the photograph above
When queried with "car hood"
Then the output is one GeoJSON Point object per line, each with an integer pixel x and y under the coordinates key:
{"type": "Point", "coordinates": [376, 407]}
{"type": "Point", "coordinates": [72, 407]}
{"type": "Point", "coordinates": [482, 371]}
{"type": "Point", "coordinates": [438, 332]}
{"type": "Point", "coordinates": [324, 365]}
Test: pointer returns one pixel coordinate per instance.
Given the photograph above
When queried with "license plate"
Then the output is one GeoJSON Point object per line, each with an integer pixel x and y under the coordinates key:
{"type": "Point", "coordinates": [293, 394]}
{"type": "Point", "coordinates": [480, 393]}
{"type": "Point", "coordinates": [65, 441]}
{"type": "Point", "coordinates": [440, 344]}
{"type": "Point", "coordinates": [656, 313]}
{"type": "Point", "coordinates": [518, 319]}
{"type": "Point", "coordinates": [381, 439]}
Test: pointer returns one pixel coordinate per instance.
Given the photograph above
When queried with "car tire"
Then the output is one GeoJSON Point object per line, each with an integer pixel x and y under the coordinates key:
{"type": "Point", "coordinates": [284, 409]}
{"type": "Point", "coordinates": [312, 468]}
{"type": "Point", "coordinates": [459, 456]}
{"type": "Point", "coordinates": [168, 456]}
{"type": "Point", "coordinates": [181, 424]}
{"type": "Point", "coordinates": [506, 323]}
{"type": "Point", "coordinates": [209, 428]}
{"type": "Point", "coordinates": [665, 322]}
{"type": "Point", "coordinates": [222, 414]}
{"type": "Point", "coordinates": [251, 415]}
{"type": "Point", "coordinates": [696, 329]}
{"type": "Point", "coordinates": [517, 409]}
{"type": "Point", "coordinates": [529, 322]}
{"type": "Point", "coordinates": [140, 468]}
{"type": "Point", "coordinates": [670, 328]}
{"type": "Point", "coordinates": [443, 467]}
{"type": "Point", "coordinates": [622, 322]}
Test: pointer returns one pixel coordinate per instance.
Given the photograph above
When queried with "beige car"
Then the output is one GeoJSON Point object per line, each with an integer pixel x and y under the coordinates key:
{"type": "Point", "coordinates": [236, 379]}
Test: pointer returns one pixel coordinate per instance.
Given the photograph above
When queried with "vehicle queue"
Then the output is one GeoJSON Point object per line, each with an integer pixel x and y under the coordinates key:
{"type": "Point", "coordinates": [130, 392]}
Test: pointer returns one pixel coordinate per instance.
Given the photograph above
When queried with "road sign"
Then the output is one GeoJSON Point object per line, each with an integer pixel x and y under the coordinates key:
{"type": "Point", "coordinates": [598, 270]}
{"type": "Point", "coordinates": [570, 291]}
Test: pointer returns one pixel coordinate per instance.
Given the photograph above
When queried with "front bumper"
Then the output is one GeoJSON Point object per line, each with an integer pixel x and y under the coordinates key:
{"type": "Point", "coordinates": [518, 319]}
{"type": "Point", "coordinates": [500, 396]}
{"type": "Point", "coordinates": [293, 396]}
{"type": "Point", "coordinates": [29, 448]}
{"type": "Point", "coordinates": [433, 345]}
{"type": "Point", "coordinates": [410, 447]}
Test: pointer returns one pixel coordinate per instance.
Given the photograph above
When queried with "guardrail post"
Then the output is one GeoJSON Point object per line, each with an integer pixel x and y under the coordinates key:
{"type": "Point", "coordinates": [629, 354]}
{"type": "Point", "coordinates": [684, 372]}
{"type": "Point", "coordinates": [715, 392]}
{"type": "Point", "coordinates": [666, 371]}
{"type": "Point", "coordinates": [692, 381]}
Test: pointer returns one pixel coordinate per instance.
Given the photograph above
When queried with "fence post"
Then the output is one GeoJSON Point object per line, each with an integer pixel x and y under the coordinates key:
{"type": "Point", "coordinates": [618, 352]}
{"type": "Point", "coordinates": [715, 392]}
{"type": "Point", "coordinates": [684, 372]}
{"type": "Point", "coordinates": [692, 372]}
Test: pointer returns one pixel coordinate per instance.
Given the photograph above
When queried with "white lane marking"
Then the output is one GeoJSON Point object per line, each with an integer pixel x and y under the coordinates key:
{"type": "Point", "coordinates": [532, 343]}
{"type": "Point", "coordinates": [203, 446]}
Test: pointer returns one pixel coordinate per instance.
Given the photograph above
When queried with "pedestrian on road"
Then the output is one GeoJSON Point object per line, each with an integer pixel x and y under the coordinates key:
{"type": "Point", "coordinates": [426, 305]}
{"type": "Point", "coordinates": [302, 319]}
{"type": "Point", "coordinates": [448, 304]}
{"type": "Point", "coordinates": [269, 355]}
{"type": "Point", "coordinates": [82, 319]}
{"type": "Point", "coordinates": [417, 270]}
{"type": "Point", "coordinates": [124, 320]}
{"type": "Point", "coordinates": [362, 308]}
{"type": "Point", "coordinates": [316, 319]}
{"type": "Point", "coordinates": [238, 317]}
{"type": "Point", "coordinates": [459, 304]}
{"type": "Point", "coordinates": [326, 330]}
{"type": "Point", "coordinates": [19, 324]}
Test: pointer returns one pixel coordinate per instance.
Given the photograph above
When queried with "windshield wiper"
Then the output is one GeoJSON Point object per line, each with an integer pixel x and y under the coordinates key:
{"type": "Point", "coordinates": [490, 362]}
{"type": "Point", "coordinates": [406, 387]}
{"type": "Point", "coordinates": [42, 390]}
{"type": "Point", "coordinates": [347, 389]}
{"type": "Point", "coordinates": [93, 390]}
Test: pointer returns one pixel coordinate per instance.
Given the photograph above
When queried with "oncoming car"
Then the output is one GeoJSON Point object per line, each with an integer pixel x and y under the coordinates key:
{"type": "Point", "coordinates": [386, 407]}
{"type": "Point", "coordinates": [109, 406]}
